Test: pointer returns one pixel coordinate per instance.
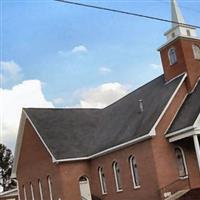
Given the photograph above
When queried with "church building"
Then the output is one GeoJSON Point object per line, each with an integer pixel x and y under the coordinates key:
{"type": "Point", "coordinates": [145, 146]}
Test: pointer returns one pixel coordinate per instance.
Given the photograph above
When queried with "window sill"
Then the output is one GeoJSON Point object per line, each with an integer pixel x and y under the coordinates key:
{"type": "Point", "coordinates": [137, 187]}
{"type": "Point", "coordinates": [120, 190]}
{"type": "Point", "coordinates": [183, 178]}
{"type": "Point", "coordinates": [172, 64]}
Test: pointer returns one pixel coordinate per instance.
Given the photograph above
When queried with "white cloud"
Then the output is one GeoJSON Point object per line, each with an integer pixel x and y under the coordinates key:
{"type": "Point", "coordinates": [102, 95]}
{"type": "Point", "coordinates": [74, 50]}
{"type": "Point", "coordinates": [10, 71]}
{"type": "Point", "coordinates": [27, 94]}
{"type": "Point", "coordinates": [79, 49]}
{"type": "Point", "coordinates": [1, 78]}
{"type": "Point", "coordinates": [156, 66]}
{"type": "Point", "coordinates": [104, 70]}
{"type": "Point", "coordinates": [58, 101]}
{"type": "Point", "coordinates": [11, 67]}
{"type": "Point", "coordinates": [63, 53]}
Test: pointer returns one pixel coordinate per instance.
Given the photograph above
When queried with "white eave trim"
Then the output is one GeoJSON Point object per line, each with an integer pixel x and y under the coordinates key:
{"type": "Point", "coordinates": [153, 130]}
{"type": "Point", "coordinates": [24, 117]}
{"type": "Point", "coordinates": [9, 193]}
{"type": "Point", "coordinates": [173, 39]}
{"type": "Point", "coordinates": [197, 121]}
{"type": "Point", "coordinates": [183, 133]}
{"type": "Point", "coordinates": [184, 130]}
{"type": "Point", "coordinates": [115, 148]}
{"type": "Point", "coordinates": [18, 144]}
{"type": "Point", "coordinates": [151, 134]}
{"type": "Point", "coordinates": [53, 158]}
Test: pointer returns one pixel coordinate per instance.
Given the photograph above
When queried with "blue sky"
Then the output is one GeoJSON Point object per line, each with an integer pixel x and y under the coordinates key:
{"type": "Point", "coordinates": [72, 52]}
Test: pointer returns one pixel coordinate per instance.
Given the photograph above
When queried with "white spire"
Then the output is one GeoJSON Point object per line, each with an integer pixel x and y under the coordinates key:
{"type": "Point", "coordinates": [176, 13]}
{"type": "Point", "coordinates": [179, 29]}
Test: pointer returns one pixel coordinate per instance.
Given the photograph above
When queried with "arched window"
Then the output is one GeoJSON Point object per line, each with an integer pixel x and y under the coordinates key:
{"type": "Point", "coordinates": [102, 180]}
{"type": "Point", "coordinates": [172, 56]}
{"type": "Point", "coordinates": [32, 192]}
{"type": "Point", "coordinates": [182, 168]}
{"type": "Point", "coordinates": [116, 171]}
{"type": "Point", "coordinates": [134, 172]}
{"type": "Point", "coordinates": [24, 192]}
{"type": "Point", "coordinates": [40, 190]}
{"type": "Point", "coordinates": [196, 51]}
{"type": "Point", "coordinates": [50, 187]}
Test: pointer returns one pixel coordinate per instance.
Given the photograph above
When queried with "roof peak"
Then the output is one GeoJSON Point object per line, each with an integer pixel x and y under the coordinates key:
{"type": "Point", "coordinates": [176, 14]}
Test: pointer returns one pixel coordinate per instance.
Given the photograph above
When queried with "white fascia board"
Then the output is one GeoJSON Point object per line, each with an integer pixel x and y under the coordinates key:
{"type": "Point", "coordinates": [18, 145]}
{"type": "Point", "coordinates": [169, 81]}
{"type": "Point", "coordinates": [184, 135]}
{"type": "Point", "coordinates": [126, 144]}
{"type": "Point", "coordinates": [153, 130]}
{"type": "Point", "coordinates": [195, 86]}
{"type": "Point", "coordinates": [184, 130]}
{"type": "Point", "coordinates": [53, 158]}
{"type": "Point", "coordinates": [151, 134]}
{"type": "Point", "coordinates": [195, 126]}
{"type": "Point", "coordinates": [197, 121]}
{"type": "Point", "coordinates": [173, 39]}
{"type": "Point", "coordinates": [112, 149]}
{"type": "Point", "coordinates": [9, 193]}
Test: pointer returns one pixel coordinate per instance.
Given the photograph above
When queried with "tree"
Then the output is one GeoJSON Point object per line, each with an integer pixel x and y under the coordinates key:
{"type": "Point", "coordinates": [6, 162]}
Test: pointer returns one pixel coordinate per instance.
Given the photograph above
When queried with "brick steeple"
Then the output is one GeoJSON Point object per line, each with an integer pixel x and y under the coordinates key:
{"type": "Point", "coordinates": [181, 53]}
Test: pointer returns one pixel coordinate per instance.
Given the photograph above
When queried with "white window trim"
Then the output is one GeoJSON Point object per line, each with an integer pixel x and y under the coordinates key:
{"type": "Point", "coordinates": [32, 192]}
{"type": "Point", "coordinates": [24, 191]}
{"type": "Point", "coordinates": [195, 54]}
{"type": "Point", "coordinates": [50, 187]}
{"type": "Point", "coordinates": [118, 189]}
{"type": "Point", "coordinates": [40, 189]}
{"type": "Point", "coordinates": [103, 186]}
{"type": "Point", "coordinates": [184, 162]}
{"type": "Point", "coordinates": [169, 56]}
{"type": "Point", "coordinates": [132, 173]}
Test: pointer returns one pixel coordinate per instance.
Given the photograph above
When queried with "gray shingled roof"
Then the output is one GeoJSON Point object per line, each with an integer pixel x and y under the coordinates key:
{"type": "Point", "coordinates": [72, 133]}
{"type": "Point", "coordinates": [188, 112]}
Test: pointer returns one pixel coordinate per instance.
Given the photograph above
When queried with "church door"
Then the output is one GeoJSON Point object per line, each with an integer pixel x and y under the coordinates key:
{"type": "Point", "coordinates": [85, 188]}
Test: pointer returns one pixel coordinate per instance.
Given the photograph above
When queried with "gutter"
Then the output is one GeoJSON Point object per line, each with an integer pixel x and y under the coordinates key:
{"type": "Point", "coordinates": [184, 130]}
{"type": "Point", "coordinates": [150, 135]}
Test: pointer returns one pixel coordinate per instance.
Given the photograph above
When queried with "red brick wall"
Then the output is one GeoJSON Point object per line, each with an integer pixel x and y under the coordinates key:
{"type": "Point", "coordinates": [163, 151]}
{"type": "Point", "coordinates": [70, 173]}
{"type": "Point", "coordinates": [155, 159]}
{"type": "Point", "coordinates": [185, 60]}
{"type": "Point", "coordinates": [164, 156]}
{"type": "Point", "coordinates": [146, 168]}
{"type": "Point", "coordinates": [188, 147]}
{"type": "Point", "coordinates": [36, 163]}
